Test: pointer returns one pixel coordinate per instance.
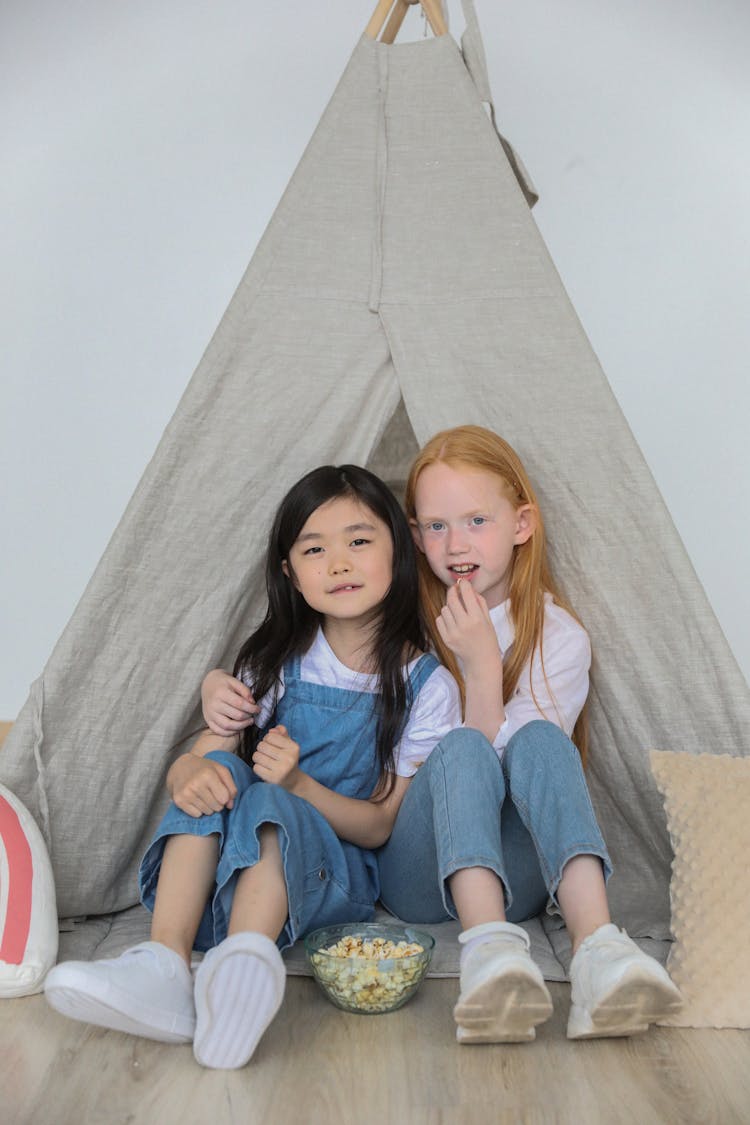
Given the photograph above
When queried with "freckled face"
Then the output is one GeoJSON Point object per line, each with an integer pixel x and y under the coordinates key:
{"type": "Point", "coordinates": [467, 528]}
{"type": "Point", "coordinates": [342, 560]}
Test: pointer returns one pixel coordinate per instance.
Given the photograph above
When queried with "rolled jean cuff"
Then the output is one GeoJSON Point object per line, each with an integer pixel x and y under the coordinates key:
{"type": "Point", "coordinates": [553, 906]}
{"type": "Point", "coordinates": [461, 864]}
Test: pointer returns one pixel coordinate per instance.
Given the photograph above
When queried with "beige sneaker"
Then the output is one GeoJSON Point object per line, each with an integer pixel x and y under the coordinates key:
{"type": "Point", "coordinates": [616, 988]}
{"type": "Point", "coordinates": [503, 994]}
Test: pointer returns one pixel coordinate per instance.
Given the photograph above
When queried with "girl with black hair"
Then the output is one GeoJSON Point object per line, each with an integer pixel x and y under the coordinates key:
{"type": "Point", "coordinates": [271, 833]}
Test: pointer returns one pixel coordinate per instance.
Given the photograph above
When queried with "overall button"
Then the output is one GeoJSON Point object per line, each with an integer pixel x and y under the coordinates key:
{"type": "Point", "coordinates": [322, 874]}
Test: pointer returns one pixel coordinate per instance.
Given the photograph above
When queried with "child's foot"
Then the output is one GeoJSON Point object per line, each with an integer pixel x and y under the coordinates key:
{"type": "Point", "coordinates": [503, 994]}
{"type": "Point", "coordinates": [148, 991]}
{"type": "Point", "coordinates": [616, 988]}
{"type": "Point", "coordinates": [239, 987]}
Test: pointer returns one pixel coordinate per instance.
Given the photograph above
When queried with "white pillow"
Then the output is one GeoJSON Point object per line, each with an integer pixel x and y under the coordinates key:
{"type": "Point", "coordinates": [28, 911]}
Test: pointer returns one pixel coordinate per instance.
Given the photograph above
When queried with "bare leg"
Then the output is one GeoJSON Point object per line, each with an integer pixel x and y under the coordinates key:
{"type": "Point", "coordinates": [187, 874]}
{"type": "Point", "coordinates": [478, 896]}
{"type": "Point", "coordinates": [583, 897]}
{"type": "Point", "coordinates": [260, 901]}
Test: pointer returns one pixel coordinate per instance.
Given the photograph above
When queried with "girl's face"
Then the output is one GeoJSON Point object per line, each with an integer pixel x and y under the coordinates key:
{"type": "Point", "coordinates": [467, 528]}
{"type": "Point", "coordinates": [342, 561]}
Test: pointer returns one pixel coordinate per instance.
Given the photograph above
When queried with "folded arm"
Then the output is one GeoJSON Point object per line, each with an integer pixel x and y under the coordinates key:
{"type": "Point", "coordinates": [199, 786]}
{"type": "Point", "coordinates": [367, 823]}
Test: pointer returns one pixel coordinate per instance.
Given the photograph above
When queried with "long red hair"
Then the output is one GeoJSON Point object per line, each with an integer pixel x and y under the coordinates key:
{"type": "Point", "coordinates": [474, 447]}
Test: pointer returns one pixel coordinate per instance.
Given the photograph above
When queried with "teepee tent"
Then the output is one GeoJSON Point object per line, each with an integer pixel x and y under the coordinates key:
{"type": "Point", "coordinates": [401, 287]}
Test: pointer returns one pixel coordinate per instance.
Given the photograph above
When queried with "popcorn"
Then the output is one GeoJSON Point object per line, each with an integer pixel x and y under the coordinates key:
{"type": "Point", "coordinates": [379, 948]}
{"type": "Point", "coordinates": [365, 978]}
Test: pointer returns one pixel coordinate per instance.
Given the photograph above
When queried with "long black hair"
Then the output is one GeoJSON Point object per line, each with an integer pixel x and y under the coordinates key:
{"type": "Point", "coordinates": [290, 625]}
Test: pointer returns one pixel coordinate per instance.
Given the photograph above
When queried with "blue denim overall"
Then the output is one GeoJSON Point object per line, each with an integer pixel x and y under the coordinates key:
{"type": "Point", "coordinates": [328, 880]}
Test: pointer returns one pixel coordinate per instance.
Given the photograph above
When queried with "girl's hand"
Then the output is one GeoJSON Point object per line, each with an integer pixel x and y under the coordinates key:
{"type": "Point", "coordinates": [228, 704]}
{"type": "Point", "coordinates": [276, 759]}
{"type": "Point", "coordinates": [200, 786]}
{"type": "Point", "coordinates": [466, 628]}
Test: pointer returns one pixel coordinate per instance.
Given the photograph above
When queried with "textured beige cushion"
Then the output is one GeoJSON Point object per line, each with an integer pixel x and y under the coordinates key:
{"type": "Point", "coordinates": [707, 802]}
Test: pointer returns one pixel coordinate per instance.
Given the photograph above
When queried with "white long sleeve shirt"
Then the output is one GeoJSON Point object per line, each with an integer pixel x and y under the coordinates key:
{"type": "Point", "coordinates": [559, 687]}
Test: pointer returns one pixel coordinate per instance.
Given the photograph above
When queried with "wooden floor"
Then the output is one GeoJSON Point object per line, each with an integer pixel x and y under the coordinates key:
{"type": "Point", "coordinates": [319, 1065]}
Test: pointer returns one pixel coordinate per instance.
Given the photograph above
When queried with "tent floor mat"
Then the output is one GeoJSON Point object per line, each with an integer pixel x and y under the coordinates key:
{"type": "Point", "coordinates": [107, 935]}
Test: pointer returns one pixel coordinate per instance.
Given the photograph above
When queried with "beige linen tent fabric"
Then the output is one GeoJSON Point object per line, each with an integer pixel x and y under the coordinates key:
{"type": "Point", "coordinates": [402, 261]}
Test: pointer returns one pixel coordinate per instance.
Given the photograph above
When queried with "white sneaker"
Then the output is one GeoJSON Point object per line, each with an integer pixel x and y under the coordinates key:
{"type": "Point", "coordinates": [503, 994]}
{"type": "Point", "coordinates": [616, 988]}
{"type": "Point", "coordinates": [148, 991]}
{"type": "Point", "coordinates": [239, 987]}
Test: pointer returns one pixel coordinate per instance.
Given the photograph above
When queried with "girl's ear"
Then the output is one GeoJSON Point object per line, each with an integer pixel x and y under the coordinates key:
{"type": "Point", "coordinates": [416, 535]}
{"type": "Point", "coordinates": [289, 573]}
{"type": "Point", "coordinates": [526, 524]}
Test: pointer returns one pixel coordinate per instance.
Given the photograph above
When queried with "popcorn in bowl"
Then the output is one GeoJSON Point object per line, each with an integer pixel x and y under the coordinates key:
{"type": "Point", "coordinates": [369, 967]}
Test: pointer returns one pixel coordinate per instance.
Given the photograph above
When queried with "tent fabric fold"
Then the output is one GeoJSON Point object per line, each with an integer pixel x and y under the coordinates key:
{"type": "Point", "coordinates": [402, 264]}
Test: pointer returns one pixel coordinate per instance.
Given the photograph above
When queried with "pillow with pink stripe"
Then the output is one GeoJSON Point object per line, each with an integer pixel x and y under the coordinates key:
{"type": "Point", "coordinates": [28, 912]}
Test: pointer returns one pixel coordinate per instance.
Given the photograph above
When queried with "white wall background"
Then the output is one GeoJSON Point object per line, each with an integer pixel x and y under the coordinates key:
{"type": "Point", "coordinates": [145, 146]}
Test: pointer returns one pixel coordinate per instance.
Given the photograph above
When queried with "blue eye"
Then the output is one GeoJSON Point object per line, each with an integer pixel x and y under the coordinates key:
{"type": "Point", "coordinates": [436, 525]}
{"type": "Point", "coordinates": [477, 521]}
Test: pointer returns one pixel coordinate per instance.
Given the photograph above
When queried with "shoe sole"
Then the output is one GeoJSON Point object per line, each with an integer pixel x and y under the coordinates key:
{"type": "Point", "coordinates": [237, 994]}
{"type": "Point", "coordinates": [505, 1009]}
{"type": "Point", "coordinates": [632, 1005]}
{"type": "Point", "coordinates": [82, 998]}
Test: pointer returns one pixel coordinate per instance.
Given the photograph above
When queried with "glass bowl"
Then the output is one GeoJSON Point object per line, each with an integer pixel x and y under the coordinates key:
{"type": "Point", "coordinates": [369, 979]}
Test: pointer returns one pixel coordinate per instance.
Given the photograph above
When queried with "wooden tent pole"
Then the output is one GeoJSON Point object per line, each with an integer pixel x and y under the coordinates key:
{"type": "Point", "coordinates": [378, 18]}
{"type": "Point", "coordinates": [392, 28]}
{"type": "Point", "coordinates": [432, 9]}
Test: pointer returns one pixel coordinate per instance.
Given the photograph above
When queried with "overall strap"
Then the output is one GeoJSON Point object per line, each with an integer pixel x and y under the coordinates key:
{"type": "Point", "coordinates": [293, 669]}
{"type": "Point", "coordinates": [421, 672]}
{"type": "Point", "coordinates": [472, 49]}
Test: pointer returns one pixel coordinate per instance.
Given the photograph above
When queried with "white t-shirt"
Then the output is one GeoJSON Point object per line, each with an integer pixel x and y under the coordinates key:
{"type": "Point", "coordinates": [435, 711]}
{"type": "Point", "coordinates": [560, 687]}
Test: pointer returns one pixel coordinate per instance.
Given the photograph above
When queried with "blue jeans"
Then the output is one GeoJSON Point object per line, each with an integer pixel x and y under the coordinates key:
{"type": "Point", "coordinates": [523, 818]}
